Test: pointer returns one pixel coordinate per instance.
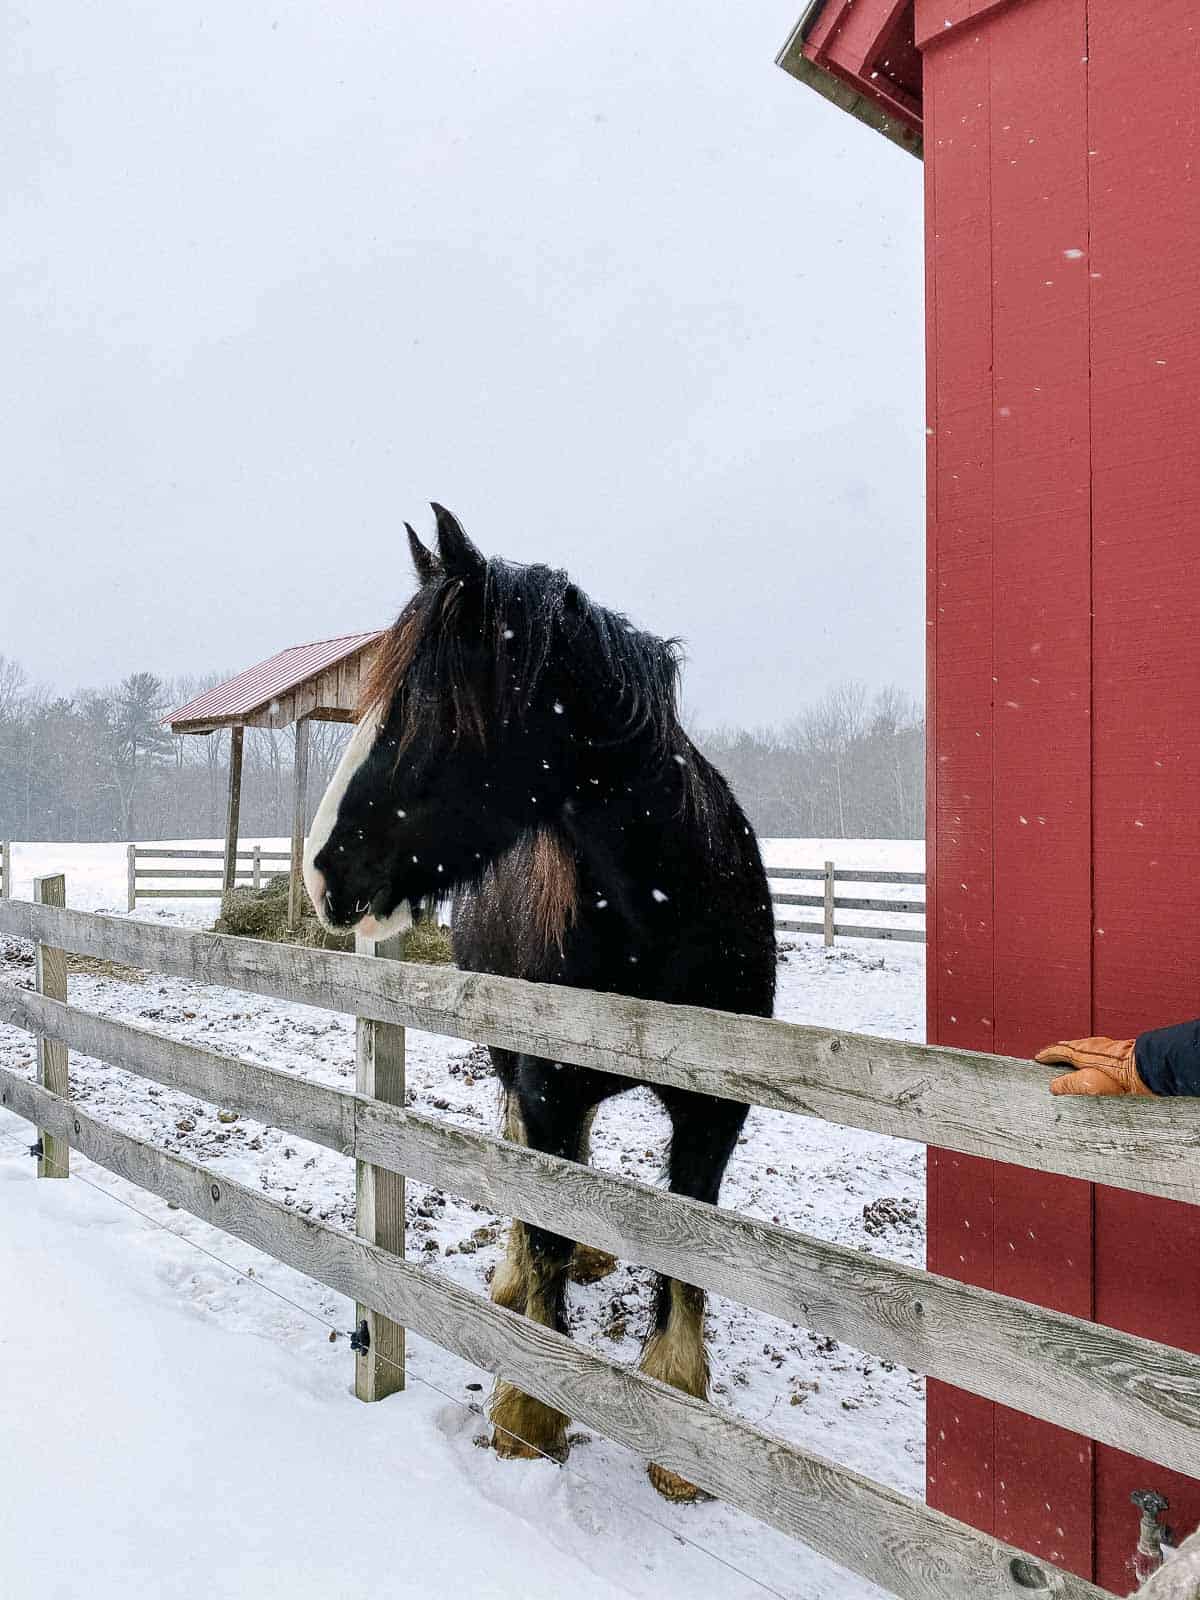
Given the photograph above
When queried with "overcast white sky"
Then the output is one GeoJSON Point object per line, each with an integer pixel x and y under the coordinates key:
{"type": "Point", "coordinates": [601, 277]}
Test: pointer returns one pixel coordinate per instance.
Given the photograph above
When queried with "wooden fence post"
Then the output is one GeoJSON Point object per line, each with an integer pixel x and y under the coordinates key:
{"type": "Point", "coordinates": [379, 1215]}
{"type": "Point", "coordinates": [6, 869]}
{"type": "Point", "coordinates": [256, 866]}
{"type": "Point", "coordinates": [131, 876]}
{"type": "Point", "coordinates": [828, 903]}
{"type": "Point", "coordinates": [50, 972]}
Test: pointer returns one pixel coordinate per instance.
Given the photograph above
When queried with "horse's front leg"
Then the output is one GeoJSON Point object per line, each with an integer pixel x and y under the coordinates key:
{"type": "Point", "coordinates": [551, 1112]}
{"type": "Point", "coordinates": [525, 1428]}
{"type": "Point", "coordinates": [510, 1281]}
{"type": "Point", "coordinates": [589, 1263]}
{"type": "Point", "coordinates": [704, 1133]}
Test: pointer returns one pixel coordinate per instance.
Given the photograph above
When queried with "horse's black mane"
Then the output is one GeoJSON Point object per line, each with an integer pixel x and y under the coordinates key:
{"type": "Point", "coordinates": [527, 618]}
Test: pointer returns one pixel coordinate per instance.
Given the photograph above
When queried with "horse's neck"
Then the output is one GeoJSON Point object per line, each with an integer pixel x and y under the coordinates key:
{"type": "Point", "coordinates": [643, 827]}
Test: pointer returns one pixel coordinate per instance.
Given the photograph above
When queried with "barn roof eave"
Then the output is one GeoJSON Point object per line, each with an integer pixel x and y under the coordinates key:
{"type": "Point", "coordinates": [838, 90]}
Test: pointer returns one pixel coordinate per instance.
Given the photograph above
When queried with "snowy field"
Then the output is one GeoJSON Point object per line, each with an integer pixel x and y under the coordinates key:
{"type": "Point", "coordinates": [209, 1439]}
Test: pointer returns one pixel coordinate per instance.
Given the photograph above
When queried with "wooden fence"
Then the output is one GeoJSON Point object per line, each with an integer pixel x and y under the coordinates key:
{"type": "Point", "coordinates": [182, 880]}
{"type": "Point", "coordinates": [1133, 1393]}
{"type": "Point", "coordinates": [5, 870]}
{"type": "Point", "coordinates": [830, 903]}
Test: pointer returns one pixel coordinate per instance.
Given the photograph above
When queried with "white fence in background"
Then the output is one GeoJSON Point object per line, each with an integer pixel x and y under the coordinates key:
{"type": "Point", "coordinates": [830, 903]}
{"type": "Point", "coordinates": [147, 883]}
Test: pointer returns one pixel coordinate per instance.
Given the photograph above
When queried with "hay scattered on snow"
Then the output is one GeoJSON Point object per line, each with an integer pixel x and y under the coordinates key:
{"type": "Point", "coordinates": [262, 914]}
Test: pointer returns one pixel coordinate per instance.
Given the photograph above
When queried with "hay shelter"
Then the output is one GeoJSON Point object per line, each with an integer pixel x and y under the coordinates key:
{"type": "Point", "coordinates": [306, 683]}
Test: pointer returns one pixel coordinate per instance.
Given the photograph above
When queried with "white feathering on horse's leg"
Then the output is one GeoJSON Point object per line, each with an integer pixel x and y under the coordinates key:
{"type": "Point", "coordinates": [525, 1428]}
{"type": "Point", "coordinates": [676, 1355]}
{"type": "Point", "coordinates": [510, 1281]}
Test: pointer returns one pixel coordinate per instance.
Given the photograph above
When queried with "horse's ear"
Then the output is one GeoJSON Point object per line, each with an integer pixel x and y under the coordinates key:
{"type": "Point", "coordinates": [425, 563]}
{"type": "Point", "coordinates": [458, 555]}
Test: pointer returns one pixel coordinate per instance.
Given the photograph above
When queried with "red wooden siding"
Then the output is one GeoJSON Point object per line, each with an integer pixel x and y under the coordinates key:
{"type": "Point", "coordinates": [1063, 224]}
{"type": "Point", "coordinates": [1145, 383]}
{"type": "Point", "coordinates": [934, 17]}
{"type": "Point", "coordinates": [960, 1455]}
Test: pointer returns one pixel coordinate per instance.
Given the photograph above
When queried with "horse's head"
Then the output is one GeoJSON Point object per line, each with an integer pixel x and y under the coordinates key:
{"type": "Point", "coordinates": [498, 698]}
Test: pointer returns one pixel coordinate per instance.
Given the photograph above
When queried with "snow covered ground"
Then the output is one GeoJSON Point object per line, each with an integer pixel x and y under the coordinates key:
{"type": "Point", "coordinates": [210, 1439]}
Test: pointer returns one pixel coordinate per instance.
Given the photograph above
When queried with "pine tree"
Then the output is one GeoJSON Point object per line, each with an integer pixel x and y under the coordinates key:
{"type": "Point", "coordinates": [139, 740]}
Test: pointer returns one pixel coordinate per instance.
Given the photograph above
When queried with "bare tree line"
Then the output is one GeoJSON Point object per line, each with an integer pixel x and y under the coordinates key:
{"type": "Point", "coordinates": [99, 765]}
{"type": "Point", "coordinates": [848, 766]}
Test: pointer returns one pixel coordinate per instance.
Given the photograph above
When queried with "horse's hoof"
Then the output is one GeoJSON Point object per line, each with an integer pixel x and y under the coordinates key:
{"type": "Point", "coordinates": [523, 1429]}
{"type": "Point", "coordinates": [589, 1265]}
{"type": "Point", "coordinates": [671, 1486]}
{"type": "Point", "coordinates": [510, 1448]}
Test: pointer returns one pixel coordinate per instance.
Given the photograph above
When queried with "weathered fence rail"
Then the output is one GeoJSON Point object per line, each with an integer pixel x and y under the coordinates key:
{"type": "Point", "coordinates": [830, 903]}
{"type": "Point", "coordinates": [1115, 1387]}
{"type": "Point", "coordinates": [5, 869]}
{"type": "Point", "coordinates": [250, 875]}
{"type": "Point", "coordinates": [992, 1106]}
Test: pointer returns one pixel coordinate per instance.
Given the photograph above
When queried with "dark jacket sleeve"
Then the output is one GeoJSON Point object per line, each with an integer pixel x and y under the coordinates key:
{"type": "Point", "coordinates": [1168, 1059]}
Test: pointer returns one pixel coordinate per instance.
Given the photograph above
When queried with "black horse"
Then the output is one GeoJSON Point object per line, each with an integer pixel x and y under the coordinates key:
{"type": "Point", "coordinates": [520, 746]}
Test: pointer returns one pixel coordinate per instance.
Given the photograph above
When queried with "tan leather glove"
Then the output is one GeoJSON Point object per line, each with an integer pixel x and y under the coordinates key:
{"type": "Point", "coordinates": [1101, 1066]}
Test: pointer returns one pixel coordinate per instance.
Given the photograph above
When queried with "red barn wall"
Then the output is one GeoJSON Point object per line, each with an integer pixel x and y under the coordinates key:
{"type": "Point", "coordinates": [1062, 151]}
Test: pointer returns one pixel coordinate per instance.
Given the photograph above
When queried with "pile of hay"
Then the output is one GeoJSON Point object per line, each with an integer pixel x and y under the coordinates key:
{"type": "Point", "coordinates": [262, 914]}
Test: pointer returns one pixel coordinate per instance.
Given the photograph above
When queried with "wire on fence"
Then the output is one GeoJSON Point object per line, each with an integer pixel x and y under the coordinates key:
{"type": "Point", "coordinates": [473, 1408]}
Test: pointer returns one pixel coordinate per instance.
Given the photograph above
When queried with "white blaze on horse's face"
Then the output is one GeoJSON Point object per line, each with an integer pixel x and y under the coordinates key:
{"type": "Point", "coordinates": [357, 752]}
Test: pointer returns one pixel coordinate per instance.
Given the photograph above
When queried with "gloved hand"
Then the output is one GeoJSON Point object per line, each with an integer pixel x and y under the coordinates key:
{"type": "Point", "coordinates": [1101, 1066]}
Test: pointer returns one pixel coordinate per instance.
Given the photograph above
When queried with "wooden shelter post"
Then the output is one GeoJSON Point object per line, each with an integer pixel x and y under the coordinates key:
{"type": "Point", "coordinates": [299, 801]}
{"type": "Point", "coordinates": [236, 735]}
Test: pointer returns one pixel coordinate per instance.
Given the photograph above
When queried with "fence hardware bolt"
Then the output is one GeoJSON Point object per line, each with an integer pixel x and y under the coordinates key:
{"type": "Point", "coordinates": [1152, 1533]}
{"type": "Point", "coordinates": [360, 1338]}
{"type": "Point", "coordinates": [36, 1150]}
{"type": "Point", "coordinates": [215, 1191]}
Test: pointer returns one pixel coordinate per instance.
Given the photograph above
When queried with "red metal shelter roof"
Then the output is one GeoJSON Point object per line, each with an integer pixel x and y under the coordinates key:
{"type": "Point", "coordinates": [254, 690]}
